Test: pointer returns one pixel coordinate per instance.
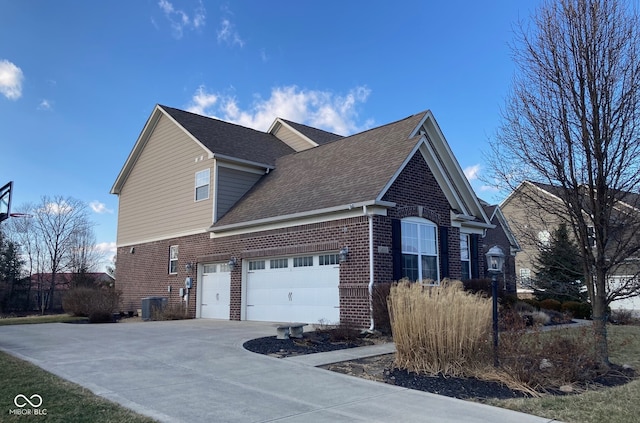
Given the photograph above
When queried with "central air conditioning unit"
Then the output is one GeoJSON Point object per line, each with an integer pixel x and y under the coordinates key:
{"type": "Point", "coordinates": [150, 304]}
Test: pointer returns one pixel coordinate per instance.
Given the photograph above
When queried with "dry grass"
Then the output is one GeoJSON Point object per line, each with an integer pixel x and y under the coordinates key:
{"type": "Point", "coordinates": [439, 329]}
{"type": "Point", "coordinates": [619, 404]}
{"type": "Point", "coordinates": [170, 312]}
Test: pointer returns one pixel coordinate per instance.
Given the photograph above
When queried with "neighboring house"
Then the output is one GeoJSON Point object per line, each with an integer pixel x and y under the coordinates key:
{"type": "Point", "coordinates": [292, 224]}
{"type": "Point", "coordinates": [503, 237]}
{"type": "Point", "coordinates": [41, 285]}
{"type": "Point", "coordinates": [533, 227]}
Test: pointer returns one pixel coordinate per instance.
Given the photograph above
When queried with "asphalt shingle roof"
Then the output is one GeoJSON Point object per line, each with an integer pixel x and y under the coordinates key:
{"type": "Point", "coordinates": [315, 134]}
{"type": "Point", "coordinates": [350, 170]}
{"type": "Point", "coordinates": [230, 139]}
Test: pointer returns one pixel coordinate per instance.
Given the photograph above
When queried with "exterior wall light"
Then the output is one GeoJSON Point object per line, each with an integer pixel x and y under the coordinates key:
{"type": "Point", "coordinates": [232, 263]}
{"type": "Point", "coordinates": [188, 267]}
{"type": "Point", "coordinates": [343, 254]}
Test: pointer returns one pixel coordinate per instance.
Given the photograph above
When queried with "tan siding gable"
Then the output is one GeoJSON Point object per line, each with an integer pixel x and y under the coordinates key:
{"type": "Point", "coordinates": [292, 139]}
{"type": "Point", "coordinates": [157, 199]}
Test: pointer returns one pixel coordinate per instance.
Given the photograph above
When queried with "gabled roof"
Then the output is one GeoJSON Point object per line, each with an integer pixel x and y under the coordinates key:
{"type": "Point", "coordinates": [494, 211]}
{"type": "Point", "coordinates": [221, 139]}
{"type": "Point", "coordinates": [354, 170]}
{"type": "Point", "coordinates": [229, 139]}
{"type": "Point", "coordinates": [316, 135]}
{"type": "Point", "coordinates": [350, 171]}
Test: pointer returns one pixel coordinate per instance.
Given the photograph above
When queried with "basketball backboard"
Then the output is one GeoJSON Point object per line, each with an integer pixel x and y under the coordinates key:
{"type": "Point", "coordinates": [5, 201]}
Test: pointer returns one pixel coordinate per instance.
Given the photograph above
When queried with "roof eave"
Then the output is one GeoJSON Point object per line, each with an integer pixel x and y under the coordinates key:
{"type": "Point", "coordinates": [300, 215]}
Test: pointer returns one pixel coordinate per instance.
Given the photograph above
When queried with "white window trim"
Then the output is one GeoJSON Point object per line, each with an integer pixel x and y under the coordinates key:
{"type": "Point", "coordinates": [424, 222]}
{"type": "Point", "coordinates": [172, 259]}
{"type": "Point", "coordinates": [468, 259]}
{"type": "Point", "coordinates": [200, 185]}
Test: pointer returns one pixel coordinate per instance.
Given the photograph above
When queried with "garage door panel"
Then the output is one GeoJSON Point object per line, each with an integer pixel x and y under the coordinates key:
{"type": "Point", "coordinates": [216, 293]}
{"type": "Point", "coordinates": [305, 294]}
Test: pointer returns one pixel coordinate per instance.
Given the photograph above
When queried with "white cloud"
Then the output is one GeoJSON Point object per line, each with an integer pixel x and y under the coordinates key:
{"type": "Point", "coordinates": [10, 80]}
{"type": "Point", "coordinates": [489, 188]}
{"type": "Point", "coordinates": [99, 207]}
{"type": "Point", "coordinates": [227, 33]}
{"type": "Point", "coordinates": [106, 248]}
{"type": "Point", "coordinates": [322, 109]}
{"type": "Point", "coordinates": [44, 105]}
{"type": "Point", "coordinates": [472, 172]}
{"type": "Point", "coordinates": [181, 20]}
{"type": "Point", "coordinates": [201, 101]}
{"type": "Point", "coordinates": [61, 207]}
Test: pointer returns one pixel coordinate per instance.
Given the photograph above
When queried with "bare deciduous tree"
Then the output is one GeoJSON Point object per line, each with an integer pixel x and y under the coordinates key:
{"type": "Point", "coordinates": [58, 237]}
{"type": "Point", "coordinates": [572, 120]}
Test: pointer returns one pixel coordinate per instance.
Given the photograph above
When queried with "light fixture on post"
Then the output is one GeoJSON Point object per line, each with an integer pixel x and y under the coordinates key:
{"type": "Point", "coordinates": [188, 267]}
{"type": "Point", "coordinates": [343, 254]}
{"type": "Point", "coordinates": [232, 263]}
{"type": "Point", "coordinates": [495, 261]}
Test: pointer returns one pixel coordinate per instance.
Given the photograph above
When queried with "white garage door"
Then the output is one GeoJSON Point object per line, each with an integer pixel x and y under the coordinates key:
{"type": "Point", "coordinates": [216, 287]}
{"type": "Point", "coordinates": [294, 289]}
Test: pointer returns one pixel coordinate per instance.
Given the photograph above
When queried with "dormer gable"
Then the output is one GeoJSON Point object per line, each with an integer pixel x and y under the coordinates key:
{"type": "Point", "coordinates": [300, 137]}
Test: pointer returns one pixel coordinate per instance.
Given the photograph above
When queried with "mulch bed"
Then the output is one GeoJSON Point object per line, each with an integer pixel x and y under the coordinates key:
{"type": "Point", "coordinates": [310, 343]}
{"type": "Point", "coordinates": [380, 368]}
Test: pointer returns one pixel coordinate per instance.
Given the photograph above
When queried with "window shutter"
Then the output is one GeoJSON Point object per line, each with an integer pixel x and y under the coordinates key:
{"type": "Point", "coordinates": [475, 264]}
{"type": "Point", "coordinates": [444, 252]}
{"type": "Point", "coordinates": [396, 249]}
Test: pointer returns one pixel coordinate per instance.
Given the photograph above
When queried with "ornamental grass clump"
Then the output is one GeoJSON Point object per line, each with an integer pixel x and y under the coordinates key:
{"type": "Point", "coordinates": [440, 329]}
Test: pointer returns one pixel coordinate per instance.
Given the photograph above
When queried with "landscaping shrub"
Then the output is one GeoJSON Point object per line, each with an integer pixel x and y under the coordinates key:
{"type": "Point", "coordinates": [539, 359]}
{"type": "Point", "coordinates": [524, 307]}
{"type": "Point", "coordinates": [540, 318]}
{"type": "Point", "coordinates": [100, 317]}
{"type": "Point", "coordinates": [623, 317]}
{"type": "Point", "coordinates": [380, 307]}
{"type": "Point", "coordinates": [531, 301]}
{"type": "Point", "coordinates": [169, 312]}
{"type": "Point", "coordinates": [578, 310]}
{"type": "Point", "coordinates": [550, 304]}
{"type": "Point", "coordinates": [91, 301]}
{"type": "Point", "coordinates": [440, 329]}
{"type": "Point", "coordinates": [341, 332]}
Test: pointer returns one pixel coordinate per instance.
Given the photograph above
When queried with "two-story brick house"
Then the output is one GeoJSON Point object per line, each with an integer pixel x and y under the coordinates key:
{"type": "Point", "coordinates": [292, 224]}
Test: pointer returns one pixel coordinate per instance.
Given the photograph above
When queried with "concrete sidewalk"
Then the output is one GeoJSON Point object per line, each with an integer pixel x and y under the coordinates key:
{"type": "Point", "coordinates": [197, 371]}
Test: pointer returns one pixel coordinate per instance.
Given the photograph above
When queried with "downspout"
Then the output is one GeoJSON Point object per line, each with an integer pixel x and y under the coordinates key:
{"type": "Point", "coordinates": [371, 278]}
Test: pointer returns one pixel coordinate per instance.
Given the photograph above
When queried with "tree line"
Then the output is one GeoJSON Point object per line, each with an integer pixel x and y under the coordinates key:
{"type": "Point", "coordinates": [54, 238]}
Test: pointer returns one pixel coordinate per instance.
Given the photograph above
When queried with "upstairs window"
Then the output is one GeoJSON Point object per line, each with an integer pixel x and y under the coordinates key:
{"type": "Point", "coordinates": [173, 259]}
{"type": "Point", "coordinates": [202, 185]}
{"type": "Point", "coordinates": [419, 250]}
{"type": "Point", "coordinates": [525, 277]}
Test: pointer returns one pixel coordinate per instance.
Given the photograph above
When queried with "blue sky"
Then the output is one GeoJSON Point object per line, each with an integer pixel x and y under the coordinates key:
{"type": "Point", "coordinates": [78, 79]}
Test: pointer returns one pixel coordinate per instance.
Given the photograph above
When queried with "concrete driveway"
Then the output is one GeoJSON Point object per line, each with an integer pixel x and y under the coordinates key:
{"type": "Point", "coordinates": [197, 371]}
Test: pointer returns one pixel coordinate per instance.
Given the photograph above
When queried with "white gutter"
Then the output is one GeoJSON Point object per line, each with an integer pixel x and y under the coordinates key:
{"type": "Point", "coordinates": [371, 278]}
{"type": "Point", "coordinates": [299, 215]}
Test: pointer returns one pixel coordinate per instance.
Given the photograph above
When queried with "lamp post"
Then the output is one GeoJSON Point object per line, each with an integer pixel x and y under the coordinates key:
{"type": "Point", "coordinates": [495, 261]}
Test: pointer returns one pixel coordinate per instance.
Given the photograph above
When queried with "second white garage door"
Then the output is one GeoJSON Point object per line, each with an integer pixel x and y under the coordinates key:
{"type": "Point", "coordinates": [294, 289]}
{"type": "Point", "coordinates": [216, 284]}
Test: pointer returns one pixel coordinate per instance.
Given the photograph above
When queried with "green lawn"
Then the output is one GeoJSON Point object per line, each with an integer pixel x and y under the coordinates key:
{"type": "Point", "coordinates": [612, 405]}
{"type": "Point", "coordinates": [62, 401]}
{"type": "Point", "coordinates": [49, 318]}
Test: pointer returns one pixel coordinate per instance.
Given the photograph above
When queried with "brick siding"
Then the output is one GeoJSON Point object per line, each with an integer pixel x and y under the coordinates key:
{"type": "Point", "coordinates": [144, 272]}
